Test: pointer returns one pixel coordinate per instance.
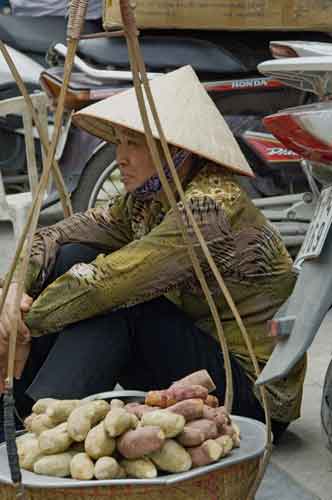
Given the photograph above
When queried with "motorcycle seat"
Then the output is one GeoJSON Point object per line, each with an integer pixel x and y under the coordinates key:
{"type": "Point", "coordinates": [35, 34]}
{"type": "Point", "coordinates": [164, 52]}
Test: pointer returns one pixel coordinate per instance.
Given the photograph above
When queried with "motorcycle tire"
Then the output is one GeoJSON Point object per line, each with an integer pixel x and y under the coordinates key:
{"type": "Point", "coordinates": [326, 408]}
{"type": "Point", "coordinates": [100, 172]}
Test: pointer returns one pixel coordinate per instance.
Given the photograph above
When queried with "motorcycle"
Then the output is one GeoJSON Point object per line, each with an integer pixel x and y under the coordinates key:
{"type": "Point", "coordinates": [27, 40]}
{"type": "Point", "coordinates": [305, 130]}
{"type": "Point", "coordinates": [226, 62]}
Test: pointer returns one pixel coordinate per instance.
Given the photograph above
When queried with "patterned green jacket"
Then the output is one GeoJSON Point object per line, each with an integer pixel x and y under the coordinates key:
{"type": "Point", "coordinates": [144, 257]}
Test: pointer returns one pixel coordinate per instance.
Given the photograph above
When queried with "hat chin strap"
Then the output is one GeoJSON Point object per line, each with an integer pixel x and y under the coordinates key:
{"type": "Point", "coordinates": [153, 185]}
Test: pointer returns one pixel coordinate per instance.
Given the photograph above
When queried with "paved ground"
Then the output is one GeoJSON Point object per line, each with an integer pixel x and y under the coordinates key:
{"type": "Point", "coordinates": [301, 452]}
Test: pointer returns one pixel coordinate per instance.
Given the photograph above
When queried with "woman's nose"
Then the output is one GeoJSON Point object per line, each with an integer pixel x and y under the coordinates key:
{"type": "Point", "coordinates": [121, 156]}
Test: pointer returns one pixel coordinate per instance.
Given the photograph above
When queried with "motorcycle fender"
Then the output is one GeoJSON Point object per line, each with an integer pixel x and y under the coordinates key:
{"type": "Point", "coordinates": [79, 149]}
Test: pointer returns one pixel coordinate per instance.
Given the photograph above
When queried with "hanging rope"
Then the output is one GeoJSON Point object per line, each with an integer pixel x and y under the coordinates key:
{"type": "Point", "coordinates": [75, 22]}
{"type": "Point", "coordinates": [140, 77]}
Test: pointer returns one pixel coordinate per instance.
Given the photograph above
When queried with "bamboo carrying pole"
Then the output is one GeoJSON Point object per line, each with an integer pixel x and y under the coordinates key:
{"type": "Point", "coordinates": [140, 76]}
{"type": "Point", "coordinates": [75, 22]}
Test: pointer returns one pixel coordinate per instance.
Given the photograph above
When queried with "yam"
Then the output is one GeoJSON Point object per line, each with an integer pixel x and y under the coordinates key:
{"type": "Point", "coordinates": [29, 452]}
{"type": "Point", "coordinates": [207, 427]}
{"type": "Point", "coordinates": [140, 442]}
{"type": "Point", "coordinates": [217, 415]}
{"type": "Point", "coordinates": [41, 423]}
{"type": "Point", "coordinates": [190, 409]}
{"type": "Point", "coordinates": [98, 443]}
{"type": "Point", "coordinates": [118, 421]}
{"type": "Point", "coordinates": [139, 409]}
{"type": "Point", "coordinates": [171, 423]}
{"type": "Point", "coordinates": [212, 401]}
{"type": "Point", "coordinates": [201, 377]}
{"type": "Point", "coordinates": [107, 468]}
{"type": "Point", "coordinates": [117, 403]}
{"type": "Point", "coordinates": [55, 440]}
{"type": "Point", "coordinates": [41, 405]}
{"type": "Point", "coordinates": [83, 418]}
{"type": "Point", "coordinates": [82, 467]}
{"type": "Point", "coordinates": [175, 393]}
{"type": "Point", "coordinates": [54, 465]}
{"type": "Point", "coordinates": [59, 411]}
{"type": "Point", "coordinates": [207, 453]}
{"type": "Point", "coordinates": [141, 468]}
{"type": "Point", "coordinates": [190, 437]}
{"type": "Point", "coordinates": [172, 457]}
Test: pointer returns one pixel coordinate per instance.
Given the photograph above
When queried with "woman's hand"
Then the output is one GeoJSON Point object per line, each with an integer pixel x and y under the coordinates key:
{"type": "Point", "coordinates": [23, 334]}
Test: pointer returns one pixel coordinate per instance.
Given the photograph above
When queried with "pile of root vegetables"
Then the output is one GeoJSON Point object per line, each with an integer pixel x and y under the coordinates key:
{"type": "Point", "coordinates": [176, 429]}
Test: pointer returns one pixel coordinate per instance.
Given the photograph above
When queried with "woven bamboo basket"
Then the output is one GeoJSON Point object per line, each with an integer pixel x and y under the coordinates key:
{"type": "Point", "coordinates": [229, 479]}
{"type": "Point", "coordinates": [232, 483]}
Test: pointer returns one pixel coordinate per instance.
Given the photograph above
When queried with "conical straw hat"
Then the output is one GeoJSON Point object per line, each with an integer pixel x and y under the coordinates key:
{"type": "Point", "coordinates": [188, 116]}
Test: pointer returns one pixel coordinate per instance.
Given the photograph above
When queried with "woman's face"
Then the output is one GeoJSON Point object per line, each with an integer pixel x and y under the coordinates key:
{"type": "Point", "coordinates": [134, 159]}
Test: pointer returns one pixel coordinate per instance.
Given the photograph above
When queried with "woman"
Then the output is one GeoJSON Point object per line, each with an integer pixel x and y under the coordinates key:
{"type": "Point", "coordinates": [115, 290]}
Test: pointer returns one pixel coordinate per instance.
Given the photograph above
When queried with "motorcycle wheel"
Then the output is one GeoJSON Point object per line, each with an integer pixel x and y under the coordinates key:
{"type": "Point", "coordinates": [326, 409]}
{"type": "Point", "coordinates": [100, 181]}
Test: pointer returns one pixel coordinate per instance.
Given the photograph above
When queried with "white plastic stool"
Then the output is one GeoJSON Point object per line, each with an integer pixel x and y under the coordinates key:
{"type": "Point", "coordinates": [15, 207]}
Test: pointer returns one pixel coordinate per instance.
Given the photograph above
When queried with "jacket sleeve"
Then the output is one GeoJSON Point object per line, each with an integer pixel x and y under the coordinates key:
{"type": "Point", "coordinates": [137, 272]}
{"type": "Point", "coordinates": [107, 229]}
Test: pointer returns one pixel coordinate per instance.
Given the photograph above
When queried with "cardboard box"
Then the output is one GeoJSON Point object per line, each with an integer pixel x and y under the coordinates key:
{"type": "Point", "coordinates": [226, 14]}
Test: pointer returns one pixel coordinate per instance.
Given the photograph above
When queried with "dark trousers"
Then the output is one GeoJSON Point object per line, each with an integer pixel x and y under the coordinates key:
{"type": "Point", "coordinates": [147, 346]}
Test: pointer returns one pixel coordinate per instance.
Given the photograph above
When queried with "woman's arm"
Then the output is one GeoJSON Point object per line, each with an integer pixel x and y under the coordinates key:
{"type": "Point", "coordinates": [137, 272]}
{"type": "Point", "coordinates": [104, 228]}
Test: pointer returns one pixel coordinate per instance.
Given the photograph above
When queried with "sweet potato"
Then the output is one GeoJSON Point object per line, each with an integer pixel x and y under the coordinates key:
{"type": "Point", "coordinates": [98, 443]}
{"type": "Point", "coordinates": [83, 418]}
{"type": "Point", "coordinates": [226, 443]}
{"type": "Point", "coordinates": [138, 409]}
{"type": "Point", "coordinates": [117, 403]}
{"type": "Point", "coordinates": [212, 401]}
{"type": "Point", "coordinates": [200, 377]}
{"type": "Point", "coordinates": [28, 421]}
{"type": "Point", "coordinates": [217, 415]}
{"type": "Point", "coordinates": [140, 442]}
{"type": "Point", "coordinates": [40, 423]}
{"type": "Point", "coordinates": [171, 423]}
{"type": "Point", "coordinates": [207, 427]}
{"type": "Point", "coordinates": [82, 467]}
{"type": "Point", "coordinates": [175, 393]}
{"type": "Point", "coordinates": [172, 457]}
{"type": "Point", "coordinates": [28, 451]}
{"type": "Point", "coordinates": [190, 437]}
{"type": "Point", "coordinates": [54, 465]}
{"type": "Point", "coordinates": [55, 440]}
{"type": "Point", "coordinates": [190, 409]}
{"type": "Point", "coordinates": [141, 468]}
{"type": "Point", "coordinates": [59, 411]}
{"type": "Point", "coordinates": [118, 421]}
{"type": "Point", "coordinates": [41, 405]}
{"type": "Point", "coordinates": [107, 468]}
{"type": "Point", "coordinates": [207, 453]}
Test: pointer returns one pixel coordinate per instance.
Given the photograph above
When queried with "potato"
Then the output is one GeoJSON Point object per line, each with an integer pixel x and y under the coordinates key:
{"type": "Point", "coordinates": [190, 409]}
{"type": "Point", "coordinates": [41, 405]}
{"type": "Point", "coordinates": [118, 421]}
{"type": "Point", "coordinates": [226, 442]}
{"type": "Point", "coordinates": [140, 442]}
{"type": "Point", "coordinates": [59, 411]}
{"type": "Point", "coordinates": [55, 440]}
{"type": "Point", "coordinates": [82, 467]}
{"type": "Point", "coordinates": [207, 453]}
{"type": "Point", "coordinates": [141, 468]}
{"type": "Point", "coordinates": [172, 457]}
{"type": "Point", "coordinates": [171, 423]}
{"type": "Point", "coordinates": [54, 465]}
{"type": "Point", "coordinates": [107, 468]}
{"type": "Point", "coordinates": [41, 423]}
{"type": "Point", "coordinates": [83, 418]}
{"type": "Point", "coordinates": [28, 452]}
{"type": "Point", "coordinates": [98, 443]}
{"type": "Point", "coordinates": [117, 403]}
